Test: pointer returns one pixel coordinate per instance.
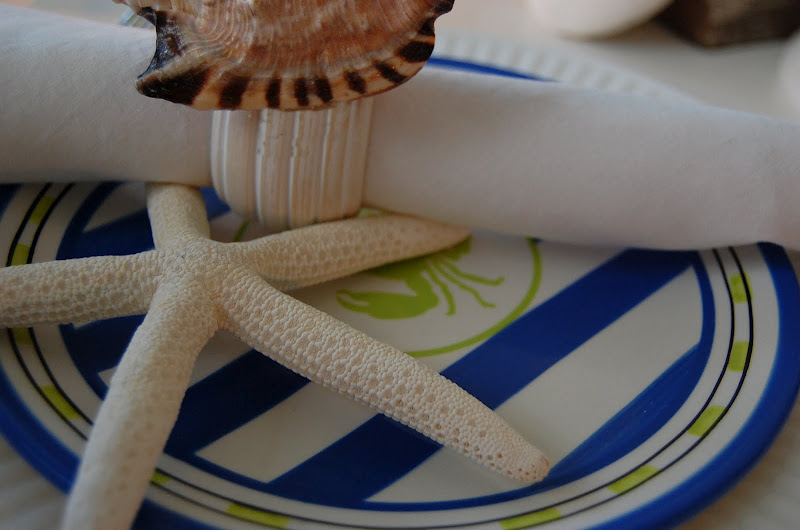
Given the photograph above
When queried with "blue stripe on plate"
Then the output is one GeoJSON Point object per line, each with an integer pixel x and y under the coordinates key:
{"type": "Point", "coordinates": [128, 235]}
{"type": "Point", "coordinates": [114, 335]}
{"type": "Point", "coordinates": [7, 192]}
{"type": "Point", "coordinates": [214, 205]}
{"type": "Point", "coordinates": [227, 399]}
{"type": "Point", "coordinates": [454, 64]}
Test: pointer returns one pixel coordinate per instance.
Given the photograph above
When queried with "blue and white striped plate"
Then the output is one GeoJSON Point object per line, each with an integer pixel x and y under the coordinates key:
{"type": "Point", "coordinates": [653, 380]}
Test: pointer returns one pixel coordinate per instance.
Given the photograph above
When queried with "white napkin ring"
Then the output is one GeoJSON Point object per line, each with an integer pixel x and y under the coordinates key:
{"type": "Point", "coordinates": [291, 169]}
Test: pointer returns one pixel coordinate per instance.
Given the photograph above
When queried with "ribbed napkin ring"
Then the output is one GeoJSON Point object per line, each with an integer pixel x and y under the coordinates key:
{"type": "Point", "coordinates": [291, 169]}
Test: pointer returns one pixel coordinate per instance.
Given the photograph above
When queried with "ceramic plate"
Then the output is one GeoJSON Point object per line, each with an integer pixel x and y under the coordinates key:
{"type": "Point", "coordinates": [653, 380]}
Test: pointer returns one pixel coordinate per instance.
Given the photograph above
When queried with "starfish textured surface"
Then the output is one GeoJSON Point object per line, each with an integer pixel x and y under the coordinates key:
{"type": "Point", "coordinates": [190, 287]}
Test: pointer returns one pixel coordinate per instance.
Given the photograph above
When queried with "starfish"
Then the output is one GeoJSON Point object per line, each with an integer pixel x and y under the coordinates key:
{"type": "Point", "coordinates": [190, 286]}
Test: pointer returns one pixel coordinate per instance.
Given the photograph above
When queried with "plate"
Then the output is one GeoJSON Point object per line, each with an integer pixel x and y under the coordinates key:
{"type": "Point", "coordinates": [653, 380]}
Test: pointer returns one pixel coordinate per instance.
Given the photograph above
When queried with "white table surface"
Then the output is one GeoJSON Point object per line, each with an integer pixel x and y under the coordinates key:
{"type": "Point", "coordinates": [743, 77]}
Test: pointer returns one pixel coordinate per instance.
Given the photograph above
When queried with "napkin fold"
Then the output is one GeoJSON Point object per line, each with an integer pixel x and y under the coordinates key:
{"type": "Point", "coordinates": [533, 158]}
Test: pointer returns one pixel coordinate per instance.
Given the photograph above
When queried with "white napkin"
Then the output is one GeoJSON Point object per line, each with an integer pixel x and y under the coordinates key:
{"type": "Point", "coordinates": [71, 112]}
{"type": "Point", "coordinates": [589, 19]}
{"type": "Point", "coordinates": [532, 158]}
{"type": "Point", "coordinates": [583, 166]}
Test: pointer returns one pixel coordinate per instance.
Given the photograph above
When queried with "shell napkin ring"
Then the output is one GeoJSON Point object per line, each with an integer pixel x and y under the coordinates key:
{"type": "Point", "coordinates": [303, 54]}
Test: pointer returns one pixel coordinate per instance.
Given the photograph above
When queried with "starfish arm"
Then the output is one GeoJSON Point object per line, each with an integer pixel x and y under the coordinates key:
{"type": "Point", "coordinates": [177, 214]}
{"type": "Point", "coordinates": [76, 290]}
{"type": "Point", "coordinates": [140, 409]}
{"type": "Point", "coordinates": [331, 250]}
{"type": "Point", "coordinates": [339, 357]}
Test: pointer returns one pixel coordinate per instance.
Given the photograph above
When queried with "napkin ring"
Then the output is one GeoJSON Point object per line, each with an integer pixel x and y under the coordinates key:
{"type": "Point", "coordinates": [291, 169]}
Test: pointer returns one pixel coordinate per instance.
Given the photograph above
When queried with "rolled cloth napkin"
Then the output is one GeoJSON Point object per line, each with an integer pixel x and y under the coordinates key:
{"type": "Point", "coordinates": [516, 156]}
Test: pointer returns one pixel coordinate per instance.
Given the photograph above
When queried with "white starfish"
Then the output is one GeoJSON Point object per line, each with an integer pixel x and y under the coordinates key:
{"type": "Point", "coordinates": [190, 287]}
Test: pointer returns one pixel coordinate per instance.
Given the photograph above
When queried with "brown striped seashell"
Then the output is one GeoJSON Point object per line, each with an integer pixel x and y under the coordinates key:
{"type": "Point", "coordinates": [287, 54]}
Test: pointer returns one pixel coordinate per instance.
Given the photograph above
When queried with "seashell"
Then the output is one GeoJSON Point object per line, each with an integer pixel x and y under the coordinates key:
{"type": "Point", "coordinates": [790, 71]}
{"type": "Point", "coordinates": [592, 19]}
{"type": "Point", "coordinates": [289, 54]}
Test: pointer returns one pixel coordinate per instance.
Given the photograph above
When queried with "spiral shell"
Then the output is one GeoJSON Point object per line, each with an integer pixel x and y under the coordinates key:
{"type": "Point", "coordinates": [287, 54]}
